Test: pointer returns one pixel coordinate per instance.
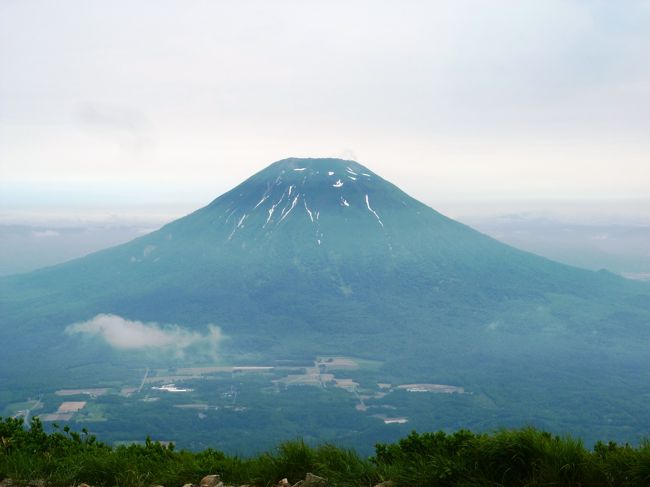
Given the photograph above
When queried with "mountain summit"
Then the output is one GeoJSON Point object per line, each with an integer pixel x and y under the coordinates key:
{"type": "Point", "coordinates": [303, 189]}
{"type": "Point", "coordinates": [327, 202]}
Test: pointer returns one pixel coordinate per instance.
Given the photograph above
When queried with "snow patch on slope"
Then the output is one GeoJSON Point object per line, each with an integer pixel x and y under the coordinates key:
{"type": "Point", "coordinates": [373, 211]}
{"type": "Point", "coordinates": [264, 198]}
{"type": "Point", "coordinates": [271, 210]}
{"type": "Point", "coordinates": [311, 215]}
{"type": "Point", "coordinates": [293, 205]}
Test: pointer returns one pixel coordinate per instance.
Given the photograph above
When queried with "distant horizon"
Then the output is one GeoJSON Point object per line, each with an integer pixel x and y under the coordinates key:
{"type": "Point", "coordinates": [45, 224]}
{"type": "Point", "coordinates": [171, 200]}
{"type": "Point", "coordinates": [592, 233]}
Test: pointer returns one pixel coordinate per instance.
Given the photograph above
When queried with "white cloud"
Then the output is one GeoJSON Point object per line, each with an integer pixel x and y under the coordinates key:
{"type": "Point", "coordinates": [124, 334]}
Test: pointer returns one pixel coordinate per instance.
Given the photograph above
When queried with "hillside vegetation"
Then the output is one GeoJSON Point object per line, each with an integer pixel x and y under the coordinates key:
{"type": "Point", "coordinates": [509, 457]}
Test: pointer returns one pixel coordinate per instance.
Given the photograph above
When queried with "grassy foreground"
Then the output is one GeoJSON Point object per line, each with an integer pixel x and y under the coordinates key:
{"type": "Point", "coordinates": [505, 458]}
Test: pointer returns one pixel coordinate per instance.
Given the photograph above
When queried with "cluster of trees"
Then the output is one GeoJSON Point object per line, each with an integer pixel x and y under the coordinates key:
{"type": "Point", "coordinates": [509, 457]}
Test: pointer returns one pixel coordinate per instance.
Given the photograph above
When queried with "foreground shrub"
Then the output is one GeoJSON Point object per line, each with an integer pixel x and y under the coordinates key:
{"type": "Point", "coordinates": [506, 458]}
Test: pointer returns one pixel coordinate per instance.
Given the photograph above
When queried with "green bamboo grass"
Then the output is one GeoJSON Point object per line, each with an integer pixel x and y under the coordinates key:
{"type": "Point", "coordinates": [521, 457]}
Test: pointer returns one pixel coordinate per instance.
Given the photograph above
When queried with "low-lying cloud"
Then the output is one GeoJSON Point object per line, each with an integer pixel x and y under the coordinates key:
{"type": "Point", "coordinates": [123, 334]}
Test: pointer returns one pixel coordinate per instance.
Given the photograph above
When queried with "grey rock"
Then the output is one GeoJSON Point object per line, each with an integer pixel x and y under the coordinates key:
{"type": "Point", "coordinates": [213, 480]}
{"type": "Point", "coordinates": [312, 480]}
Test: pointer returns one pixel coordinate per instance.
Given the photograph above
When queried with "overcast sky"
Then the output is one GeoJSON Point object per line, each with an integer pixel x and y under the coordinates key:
{"type": "Point", "coordinates": [141, 101]}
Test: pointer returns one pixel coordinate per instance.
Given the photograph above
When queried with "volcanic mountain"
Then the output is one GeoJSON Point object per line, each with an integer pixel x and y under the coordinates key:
{"type": "Point", "coordinates": [313, 256]}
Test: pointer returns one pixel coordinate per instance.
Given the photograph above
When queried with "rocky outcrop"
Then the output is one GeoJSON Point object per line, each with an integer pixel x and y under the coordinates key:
{"type": "Point", "coordinates": [311, 480]}
{"type": "Point", "coordinates": [211, 481]}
